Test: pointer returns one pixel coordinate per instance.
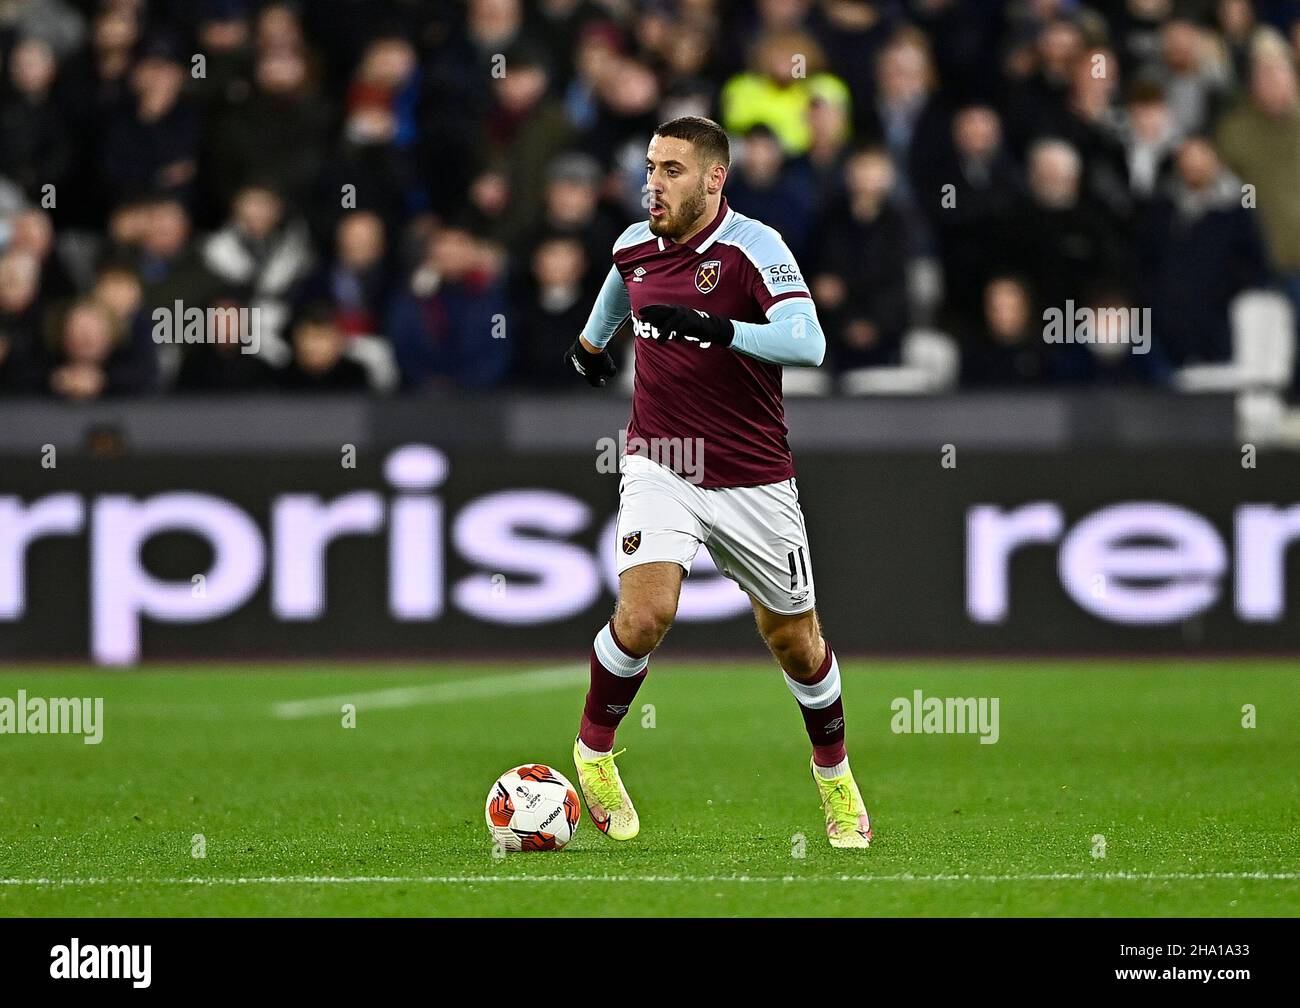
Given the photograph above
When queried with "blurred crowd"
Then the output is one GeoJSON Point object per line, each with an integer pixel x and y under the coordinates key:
{"type": "Point", "coordinates": [422, 194]}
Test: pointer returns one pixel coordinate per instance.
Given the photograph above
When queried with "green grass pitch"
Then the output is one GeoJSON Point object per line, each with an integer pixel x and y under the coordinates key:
{"type": "Point", "coordinates": [302, 816]}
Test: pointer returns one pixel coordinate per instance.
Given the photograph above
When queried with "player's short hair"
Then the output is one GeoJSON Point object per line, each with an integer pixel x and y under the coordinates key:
{"type": "Point", "coordinates": [709, 138]}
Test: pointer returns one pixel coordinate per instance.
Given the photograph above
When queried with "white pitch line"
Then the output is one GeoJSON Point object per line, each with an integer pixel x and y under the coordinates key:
{"type": "Point", "coordinates": [477, 688]}
{"type": "Point", "coordinates": [690, 879]}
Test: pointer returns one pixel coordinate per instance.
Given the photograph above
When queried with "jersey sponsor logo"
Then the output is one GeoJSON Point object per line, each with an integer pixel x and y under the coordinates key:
{"type": "Point", "coordinates": [707, 274]}
{"type": "Point", "coordinates": [646, 331]}
{"type": "Point", "coordinates": [631, 542]}
{"type": "Point", "coordinates": [783, 274]}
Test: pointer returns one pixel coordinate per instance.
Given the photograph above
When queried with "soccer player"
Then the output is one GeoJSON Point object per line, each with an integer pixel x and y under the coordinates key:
{"type": "Point", "coordinates": [718, 305]}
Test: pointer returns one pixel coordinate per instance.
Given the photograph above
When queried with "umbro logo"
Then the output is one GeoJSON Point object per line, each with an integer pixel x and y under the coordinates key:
{"type": "Point", "coordinates": [638, 274]}
{"type": "Point", "coordinates": [835, 725]}
{"type": "Point", "coordinates": [622, 708]}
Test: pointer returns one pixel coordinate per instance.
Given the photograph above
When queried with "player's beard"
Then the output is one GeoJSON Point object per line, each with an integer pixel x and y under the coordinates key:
{"type": "Point", "coordinates": [681, 220]}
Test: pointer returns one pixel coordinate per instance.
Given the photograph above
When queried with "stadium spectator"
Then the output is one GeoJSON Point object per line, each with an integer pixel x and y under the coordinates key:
{"type": "Point", "coordinates": [829, 150]}
{"type": "Point", "coordinates": [572, 207]}
{"type": "Point", "coordinates": [1060, 241]}
{"type": "Point", "coordinates": [910, 123]}
{"type": "Point", "coordinates": [225, 361]}
{"type": "Point", "coordinates": [627, 112]}
{"type": "Point", "coordinates": [118, 288]}
{"type": "Point", "coordinates": [32, 230]}
{"type": "Point", "coordinates": [859, 280]}
{"type": "Point", "coordinates": [1200, 249]}
{"type": "Point", "coordinates": [94, 90]}
{"type": "Point", "coordinates": [1006, 347]}
{"type": "Point", "coordinates": [375, 158]}
{"type": "Point", "coordinates": [788, 73]}
{"type": "Point", "coordinates": [279, 29]}
{"type": "Point", "coordinates": [356, 282]}
{"type": "Point", "coordinates": [154, 235]}
{"type": "Point", "coordinates": [152, 142]}
{"type": "Point", "coordinates": [92, 356]}
{"type": "Point", "coordinates": [1149, 139]}
{"type": "Point", "coordinates": [549, 308]}
{"type": "Point", "coordinates": [20, 321]}
{"type": "Point", "coordinates": [1089, 123]}
{"type": "Point", "coordinates": [1120, 349]}
{"type": "Point", "coordinates": [37, 148]}
{"type": "Point", "coordinates": [379, 126]}
{"type": "Point", "coordinates": [1039, 87]}
{"type": "Point", "coordinates": [525, 129]}
{"type": "Point", "coordinates": [278, 136]}
{"type": "Point", "coordinates": [1236, 24]}
{"type": "Point", "coordinates": [557, 25]}
{"type": "Point", "coordinates": [318, 363]}
{"type": "Point", "coordinates": [56, 23]}
{"type": "Point", "coordinates": [1260, 140]}
{"type": "Point", "coordinates": [116, 34]}
{"type": "Point", "coordinates": [853, 33]}
{"type": "Point", "coordinates": [448, 326]}
{"type": "Point", "coordinates": [764, 184]}
{"type": "Point", "coordinates": [1194, 71]}
{"type": "Point", "coordinates": [225, 38]}
{"type": "Point", "coordinates": [987, 192]}
{"type": "Point", "coordinates": [262, 254]}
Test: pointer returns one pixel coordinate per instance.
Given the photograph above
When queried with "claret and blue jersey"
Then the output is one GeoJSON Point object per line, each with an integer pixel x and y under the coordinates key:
{"type": "Point", "coordinates": [738, 268]}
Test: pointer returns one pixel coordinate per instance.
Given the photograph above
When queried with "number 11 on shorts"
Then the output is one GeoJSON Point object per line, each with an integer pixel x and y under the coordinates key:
{"type": "Point", "coordinates": [803, 568]}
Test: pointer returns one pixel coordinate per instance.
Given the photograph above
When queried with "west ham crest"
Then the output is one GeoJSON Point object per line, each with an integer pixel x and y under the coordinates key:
{"type": "Point", "coordinates": [706, 275]}
{"type": "Point", "coordinates": [631, 542]}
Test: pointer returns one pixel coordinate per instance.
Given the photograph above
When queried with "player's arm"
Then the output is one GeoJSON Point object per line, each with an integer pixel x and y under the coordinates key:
{"type": "Point", "coordinates": [612, 309]}
{"type": "Point", "coordinates": [792, 334]}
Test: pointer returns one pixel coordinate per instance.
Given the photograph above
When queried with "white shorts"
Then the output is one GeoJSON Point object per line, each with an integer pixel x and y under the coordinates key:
{"type": "Point", "coordinates": [755, 535]}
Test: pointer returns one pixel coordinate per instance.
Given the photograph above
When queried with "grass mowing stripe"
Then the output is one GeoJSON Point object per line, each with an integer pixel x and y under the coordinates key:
{"type": "Point", "coordinates": [480, 688]}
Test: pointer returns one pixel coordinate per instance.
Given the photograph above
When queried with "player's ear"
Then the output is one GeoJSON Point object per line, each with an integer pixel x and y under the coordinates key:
{"type": "Point", "coordinates": [717, 177]}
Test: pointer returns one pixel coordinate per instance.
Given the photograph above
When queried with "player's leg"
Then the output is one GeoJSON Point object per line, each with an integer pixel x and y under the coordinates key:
{"type": "Point", "coordinates": [813, 676]}
{"type": "Point", "coordinates": [659, 533]}
{"type": "Point", "coordinates": [759, 539]}
{"type": "Point", "coordinates": [647, 602]}
{"type": "Point", "coordinates": [620, 656]}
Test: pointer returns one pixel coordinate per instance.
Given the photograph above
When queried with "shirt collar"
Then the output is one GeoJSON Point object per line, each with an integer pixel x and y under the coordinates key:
{"type": "Point", "coordinates": [706, 237]}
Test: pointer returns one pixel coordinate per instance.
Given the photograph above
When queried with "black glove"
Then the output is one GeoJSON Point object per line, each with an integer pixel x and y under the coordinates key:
{"type": "Point", "coordinates": [595, 367]}
{"type": "Point", "coordinates": [690, 324]}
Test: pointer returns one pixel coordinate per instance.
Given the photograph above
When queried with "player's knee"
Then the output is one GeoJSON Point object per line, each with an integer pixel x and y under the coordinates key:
{"type": "Point", "coordinates": [796, 647]}
{"type": "Point", "coordinates": [640, 629]}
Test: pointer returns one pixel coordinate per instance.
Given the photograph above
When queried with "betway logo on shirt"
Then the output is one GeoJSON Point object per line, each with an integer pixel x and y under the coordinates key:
{"type": "Point", "coordinates": [646, 331]}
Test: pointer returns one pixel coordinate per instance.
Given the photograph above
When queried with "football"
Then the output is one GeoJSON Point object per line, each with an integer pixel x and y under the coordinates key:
{"type": "Point", "coordinates": [532, 808]}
